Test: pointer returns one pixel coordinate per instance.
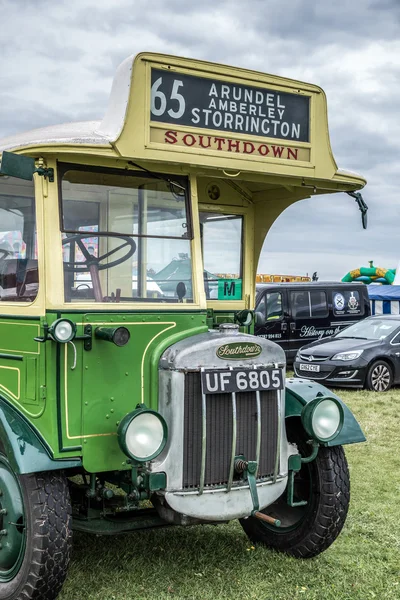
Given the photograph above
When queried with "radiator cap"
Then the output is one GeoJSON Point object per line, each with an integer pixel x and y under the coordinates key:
{"type": "Point", "coordinates": [229, 328]}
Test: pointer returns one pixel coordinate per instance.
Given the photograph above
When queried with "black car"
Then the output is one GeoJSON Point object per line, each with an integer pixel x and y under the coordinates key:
{"type": "Point", "coordinates": [366, 354]}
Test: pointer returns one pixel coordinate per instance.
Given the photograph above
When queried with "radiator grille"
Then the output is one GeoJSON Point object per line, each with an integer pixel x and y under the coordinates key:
{"type": "Point", "coordinates": [219, 432]}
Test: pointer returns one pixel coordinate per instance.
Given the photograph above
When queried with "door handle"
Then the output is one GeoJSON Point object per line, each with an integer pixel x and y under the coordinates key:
{"type": "Point", "coordinates": [292, 326]}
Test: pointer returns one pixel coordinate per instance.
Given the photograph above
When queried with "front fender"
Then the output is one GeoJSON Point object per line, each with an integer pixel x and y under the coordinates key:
{"type": "Point", "coordinates": [300, 392]}
{"type": "Point", "coordinates": [23, 445]}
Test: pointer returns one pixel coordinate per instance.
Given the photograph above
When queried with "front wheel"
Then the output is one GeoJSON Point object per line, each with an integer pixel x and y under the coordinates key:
{"type": "Point", "coordinates": [35, 534]}
{"type": "Point", "coordinates": [310, 529]}
{"type": "Point", "coordinates": [379, 377]}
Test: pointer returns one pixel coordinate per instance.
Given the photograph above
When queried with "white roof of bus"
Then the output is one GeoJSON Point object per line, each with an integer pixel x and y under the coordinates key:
{"type": "Point", "coordinates": [85, 132]}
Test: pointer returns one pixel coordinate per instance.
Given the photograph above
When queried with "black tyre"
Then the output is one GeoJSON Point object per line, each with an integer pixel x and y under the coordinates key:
{"type": "Point", "coordinates": [310, 529]}
{"type": "Point", "coordinates": [35, 534]}
{"type": "Point", "coordinates": [379, 377]}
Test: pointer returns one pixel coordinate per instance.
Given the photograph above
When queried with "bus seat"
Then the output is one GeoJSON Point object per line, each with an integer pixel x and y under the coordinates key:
{"type": "Point", "coordinates": [19, 279]}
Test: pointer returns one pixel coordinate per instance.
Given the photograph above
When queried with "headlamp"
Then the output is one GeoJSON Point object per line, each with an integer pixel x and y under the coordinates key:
{"type": "Point", "coordinates": [142, 434]}
{"type": "Point", "coordinates": [322, 418]}
{"type": "Point", "coordinates": [349, 355]}
{"type": "Point", "coordinates": [62, 330]}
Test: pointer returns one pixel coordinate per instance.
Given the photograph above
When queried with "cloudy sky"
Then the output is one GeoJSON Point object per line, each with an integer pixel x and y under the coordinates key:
{"type": "Point", "coordinates": [59, 58]}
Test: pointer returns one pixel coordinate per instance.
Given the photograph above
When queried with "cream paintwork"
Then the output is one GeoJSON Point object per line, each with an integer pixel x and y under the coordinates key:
{"type": "Point", "coordinates": [279, 182]}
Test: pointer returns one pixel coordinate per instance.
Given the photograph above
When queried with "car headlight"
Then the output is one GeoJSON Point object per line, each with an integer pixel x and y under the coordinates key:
{"type": "Point", "coordinates": [62, 330]}
{"type": "Point", "coordinates": [322, 418]}
{"type": "Point", "coordinates": [142, 434]}
{"type": "Point", "coordinates": [350, 355]}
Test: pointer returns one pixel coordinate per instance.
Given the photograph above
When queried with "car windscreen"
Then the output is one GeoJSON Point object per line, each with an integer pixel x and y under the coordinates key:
{"type": "Point", "coordinates": [370, 329]}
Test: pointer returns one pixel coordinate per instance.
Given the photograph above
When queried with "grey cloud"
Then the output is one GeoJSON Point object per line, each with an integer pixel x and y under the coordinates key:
{"type": "Point", "coordinates": [59, 59]}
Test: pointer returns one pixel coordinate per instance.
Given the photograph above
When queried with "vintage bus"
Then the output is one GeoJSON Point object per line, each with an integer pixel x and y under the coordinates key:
{"type": "Point", "coordinates": [128, 368]}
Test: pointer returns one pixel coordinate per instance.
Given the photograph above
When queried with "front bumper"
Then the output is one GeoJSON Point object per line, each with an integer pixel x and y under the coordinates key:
{"type": "Point", "coordinates": [336, 373]}
{"type": "Point", "coordinates": [219, 505]}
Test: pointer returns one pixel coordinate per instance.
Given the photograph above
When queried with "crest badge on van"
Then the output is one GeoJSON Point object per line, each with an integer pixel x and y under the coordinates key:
{"type": "Point", "coordinates": [238, 351]}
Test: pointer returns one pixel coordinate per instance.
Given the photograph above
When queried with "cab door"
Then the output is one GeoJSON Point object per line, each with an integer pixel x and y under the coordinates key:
{"type": "Point", "coordinates": [272, 316]}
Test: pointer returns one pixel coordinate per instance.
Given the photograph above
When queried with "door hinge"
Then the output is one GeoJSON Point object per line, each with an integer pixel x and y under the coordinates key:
{"type": "Point", "coordinates": [43, 392]}
{"type": "Point", "coordinates": [46, 172]}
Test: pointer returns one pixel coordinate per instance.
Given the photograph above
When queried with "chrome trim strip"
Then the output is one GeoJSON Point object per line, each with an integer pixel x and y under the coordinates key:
{"type": "Point", "coordinates": [204, 440]}
{"type": "Point", "coordinates": [279, 397]}
{"type": "Point", "coordinates": [345, 378]}
{"type": "Point", "coordinates": [235, 488]}
{"type": "Point", "coordinates": [258, 444]}
{"type": "Point", "coordinates": [234, 435]}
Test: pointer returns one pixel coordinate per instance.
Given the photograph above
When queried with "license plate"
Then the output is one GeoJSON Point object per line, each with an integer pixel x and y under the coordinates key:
{"type": "Point", "coordinates": [313, 368]}
{"type": "Point", "coordinates": [241, 380]}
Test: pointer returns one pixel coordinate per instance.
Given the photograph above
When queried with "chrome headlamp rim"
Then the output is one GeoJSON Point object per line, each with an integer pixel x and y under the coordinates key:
{"type": "Point", "coordinates": [307, 415]}
{"type": "Point", "coordinates": [53, 330]}
{"type": "Point", "coordinates": [125, 424]}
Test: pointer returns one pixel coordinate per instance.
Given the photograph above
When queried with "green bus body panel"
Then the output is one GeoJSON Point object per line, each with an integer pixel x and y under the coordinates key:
{"type": "Point", "coordinates": [109, 381]}
{"type": "Point", "coordinates": [300, 392]}
{"type": "Point", "coordinates": [25, 449]}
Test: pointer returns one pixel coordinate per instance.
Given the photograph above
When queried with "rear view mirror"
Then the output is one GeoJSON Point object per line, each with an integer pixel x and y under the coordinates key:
{"type": "Point", "coordinates": [15, 165]}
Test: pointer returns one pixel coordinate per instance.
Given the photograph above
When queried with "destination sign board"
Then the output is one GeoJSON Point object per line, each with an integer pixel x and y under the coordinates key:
{"type": "Point", "coordinates": [206, 103]}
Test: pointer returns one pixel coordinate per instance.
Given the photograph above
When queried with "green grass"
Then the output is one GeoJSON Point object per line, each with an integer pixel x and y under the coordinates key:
{"type": "Point", "coordinates": [207, 562]}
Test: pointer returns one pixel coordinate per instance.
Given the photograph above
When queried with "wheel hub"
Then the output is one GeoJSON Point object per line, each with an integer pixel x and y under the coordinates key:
{"type": "Point", "coordinates": [380, 378]}
{"type": "Point", "coordinates": [12, 523]}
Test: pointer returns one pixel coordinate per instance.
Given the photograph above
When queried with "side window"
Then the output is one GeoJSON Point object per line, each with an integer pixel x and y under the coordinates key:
{"type": "Point", "coordinates": [19, 280]}
{"type": "Point", "coordinates": [300, 303]}
{"type": "Point", "coordinates": [396, 340]}
{"type": "Point", "coordinates": [309, 304]}
{"type": "Point", "coordinates": [221, 240]}
{"type": "Point", "coordinates": [274, 306]}
{"type": "Point", "coordinates": [260, 312]}
{"type": "Point", "coordinates": [319, 306]}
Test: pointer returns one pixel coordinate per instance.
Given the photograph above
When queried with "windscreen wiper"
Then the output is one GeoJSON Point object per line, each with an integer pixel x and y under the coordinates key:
{"type": "Point", "coordinates": [172, 184]}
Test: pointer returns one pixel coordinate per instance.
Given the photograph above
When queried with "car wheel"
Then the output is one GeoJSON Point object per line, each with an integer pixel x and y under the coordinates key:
{"type": "Point", "coordinates": [379, 377]}
{"type": "Point", "coordinates": [308, 530]}
{"type": "Point", "coordinates": [35, 533]}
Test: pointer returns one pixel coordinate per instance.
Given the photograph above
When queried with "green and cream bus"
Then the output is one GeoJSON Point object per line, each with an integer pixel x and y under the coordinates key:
{"type": "Point", "coordinates": [128, 367]}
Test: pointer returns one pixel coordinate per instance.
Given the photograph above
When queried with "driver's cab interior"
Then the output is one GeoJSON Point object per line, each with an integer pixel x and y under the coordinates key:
{"type": "Point", "coordinates": [128, 236]}
{"type": "Point", "coordinates": [125, 237]}
{"type": "Point", "coordinates": [19, 278]}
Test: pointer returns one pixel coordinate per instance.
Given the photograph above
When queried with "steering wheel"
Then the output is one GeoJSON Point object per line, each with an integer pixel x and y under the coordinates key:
{"type": "Point", "coordinates": [96, 261]}
{"type": "Point", "coordinates": [4, 253]}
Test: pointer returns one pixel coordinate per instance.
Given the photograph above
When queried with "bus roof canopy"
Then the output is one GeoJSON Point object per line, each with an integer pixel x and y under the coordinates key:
{"type": "Point", "coordinates": [165, 109]}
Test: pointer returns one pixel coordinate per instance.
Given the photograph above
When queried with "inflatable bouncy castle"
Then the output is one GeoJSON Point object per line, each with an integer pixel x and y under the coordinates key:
{"type": "Point", "coordinates": [371, 274]}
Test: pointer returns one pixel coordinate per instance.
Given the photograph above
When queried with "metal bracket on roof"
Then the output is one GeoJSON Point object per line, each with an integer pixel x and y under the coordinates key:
{"type": "Point", "coordinates": [361, 205]}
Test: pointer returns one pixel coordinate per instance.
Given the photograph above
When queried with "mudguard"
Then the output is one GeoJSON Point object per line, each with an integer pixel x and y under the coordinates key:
{"type": "Point", "coordinates": [24, 447]}
{"type": "Point", "coordinates": [301, 391]}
